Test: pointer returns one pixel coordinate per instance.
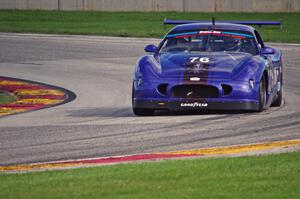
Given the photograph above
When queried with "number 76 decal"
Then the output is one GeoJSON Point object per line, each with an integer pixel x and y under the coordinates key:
{"type": "Point", "coordinates": [200, 59]}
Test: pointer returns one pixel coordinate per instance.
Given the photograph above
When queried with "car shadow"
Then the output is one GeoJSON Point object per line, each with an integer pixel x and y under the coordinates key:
{"type": "Point", "coordinates": [200, 112]}
{"type": "Point", "coordinates": [101, 112]}
{"type": "Point", "coordinates": [127, 112]}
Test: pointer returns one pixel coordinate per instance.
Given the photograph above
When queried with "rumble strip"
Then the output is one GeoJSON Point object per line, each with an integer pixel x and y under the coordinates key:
{"type": "Point", "coordinates": [31, 96]}
{"type": "Point", "coordinates": [208, 152]}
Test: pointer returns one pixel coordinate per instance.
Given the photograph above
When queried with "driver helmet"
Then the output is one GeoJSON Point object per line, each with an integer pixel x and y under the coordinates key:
{"type": "Point", "coordinates": [231, 44]}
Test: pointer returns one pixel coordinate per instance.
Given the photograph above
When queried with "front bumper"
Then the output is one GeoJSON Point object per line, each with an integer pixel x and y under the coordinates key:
{"type": "Point", "coordinates": [194, 104]}
{"type": "Point", "coordinates": [242, 97]}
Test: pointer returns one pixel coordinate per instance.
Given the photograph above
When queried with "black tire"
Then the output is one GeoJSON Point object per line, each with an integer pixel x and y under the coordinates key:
{"type": "Point", "coordinates": [278, 100]}
{"type": "Point", "coordinates": [262, 94]}
{"type": "Point", "coordinates": [140, 111]}
{"type": "Point", "coordinates": [143, 111]}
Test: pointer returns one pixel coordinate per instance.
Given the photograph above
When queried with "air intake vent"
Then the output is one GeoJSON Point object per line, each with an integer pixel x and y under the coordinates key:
{"type": "Point", "coordinates": [162, 89]}
{"type": "Point", "coordinates": [226, 89]}
{"type": "Point", "coordinates": [195, 91]}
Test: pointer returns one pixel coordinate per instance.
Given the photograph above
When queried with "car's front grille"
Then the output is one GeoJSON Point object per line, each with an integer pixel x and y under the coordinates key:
{"type": "Point", "coordinates": [195, 91]}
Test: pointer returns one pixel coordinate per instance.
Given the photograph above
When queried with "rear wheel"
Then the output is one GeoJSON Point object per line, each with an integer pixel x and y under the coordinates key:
{"type": "Point", "coordinates": [140, 111]}
{"type": "Point", "coordinates": [262, 94]}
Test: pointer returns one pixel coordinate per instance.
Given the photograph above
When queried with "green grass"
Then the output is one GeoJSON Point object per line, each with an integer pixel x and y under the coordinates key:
{"type": "Point", "coordinates": [266, 177]}
{"type": "Point", "coordinates": [134, 24]}
{"type": "Point", "coordinates": [5, 98]}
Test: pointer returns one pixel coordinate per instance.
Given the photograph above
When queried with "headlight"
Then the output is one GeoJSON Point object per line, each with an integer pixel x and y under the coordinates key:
{"type": "Point", "coordinates": [251, 83]}
{"type": "Point", "coordinates": [140, 81]}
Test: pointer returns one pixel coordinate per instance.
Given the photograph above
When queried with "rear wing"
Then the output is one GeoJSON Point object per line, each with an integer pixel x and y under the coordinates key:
{"type": "Point", "coordinates": [251, 23]}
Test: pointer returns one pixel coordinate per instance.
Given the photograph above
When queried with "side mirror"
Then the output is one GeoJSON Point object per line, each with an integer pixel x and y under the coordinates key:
{"type": "Point", "coordinates": [150, 48]}
{"type": "Point", "coordinates": [267, 51]}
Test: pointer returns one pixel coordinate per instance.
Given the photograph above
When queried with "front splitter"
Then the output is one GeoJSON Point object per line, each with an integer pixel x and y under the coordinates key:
{"type": "Point", "coordinates": [194, 104]}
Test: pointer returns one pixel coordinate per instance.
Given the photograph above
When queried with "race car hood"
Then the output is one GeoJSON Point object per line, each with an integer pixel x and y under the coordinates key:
{"type": "Point", "coordinates": [220, 65]}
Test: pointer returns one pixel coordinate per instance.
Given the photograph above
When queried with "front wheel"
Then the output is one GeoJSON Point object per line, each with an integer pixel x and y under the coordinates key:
{"type": "Point", "coordinates": [140, 111]}
{"type": "Point", "coordinates": [143, 111]}
{"type": "Point", "coordinates": [262, 94]}
{"type": "Point", "coordinates": [278, 100]}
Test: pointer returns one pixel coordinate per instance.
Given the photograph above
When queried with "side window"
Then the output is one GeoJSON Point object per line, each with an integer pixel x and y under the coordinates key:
{"type": "Point", "coordinates": [259, 39]}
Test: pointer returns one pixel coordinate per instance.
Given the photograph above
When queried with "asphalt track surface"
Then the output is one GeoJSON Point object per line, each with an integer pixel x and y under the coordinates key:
{"type": "Point", "coordinates": [100, 123]}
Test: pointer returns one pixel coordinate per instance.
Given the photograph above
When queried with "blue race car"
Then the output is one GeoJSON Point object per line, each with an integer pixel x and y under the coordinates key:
{"type": "Point", "coordinates": [208, 66]}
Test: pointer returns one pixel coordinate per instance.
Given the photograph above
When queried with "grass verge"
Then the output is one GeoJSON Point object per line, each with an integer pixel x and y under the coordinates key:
{"type": "Point", "coordinates": [272, 176]}
{"type": "Point", "coordinates": [134, 24]}
{"type": "Point", "coordinates": [5, 98]}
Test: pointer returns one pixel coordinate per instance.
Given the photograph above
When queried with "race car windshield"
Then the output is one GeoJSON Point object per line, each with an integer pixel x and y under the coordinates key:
{"type": "Point", "coordinates": [210, 41]}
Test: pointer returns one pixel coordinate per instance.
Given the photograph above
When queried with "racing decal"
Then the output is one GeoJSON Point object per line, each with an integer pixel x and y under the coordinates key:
{"type": "Point", "coordinates": [238, 34]}
{"type": "Point", "coordinates": [211, 32]}
{"type": "Point", "coordinates": [194, 105]}
{"type": "Point", "coordinates": [195, 79]}
{"type": "Point", "coordinates": [200, 59]}
{"type": "Point", "coordinates": [182, 34]}
{"type": "Point", "coordinates": [197, 67]}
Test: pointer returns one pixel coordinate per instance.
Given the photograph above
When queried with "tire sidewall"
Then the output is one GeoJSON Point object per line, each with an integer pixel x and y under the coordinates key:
{"type": "Point", "coordinates": [262, 94]}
